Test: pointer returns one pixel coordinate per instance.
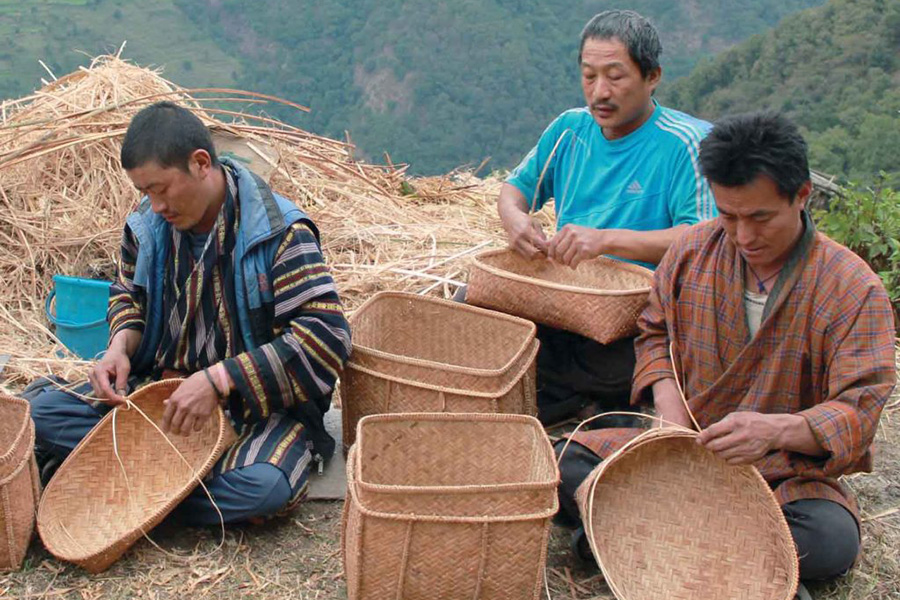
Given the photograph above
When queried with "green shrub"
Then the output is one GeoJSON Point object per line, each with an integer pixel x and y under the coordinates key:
{"type": "Point", "coordinates": [867, 220]}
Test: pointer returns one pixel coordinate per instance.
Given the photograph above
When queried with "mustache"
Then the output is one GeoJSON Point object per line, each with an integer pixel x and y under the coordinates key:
{"type": "Point", "coordinates": [597, 105]}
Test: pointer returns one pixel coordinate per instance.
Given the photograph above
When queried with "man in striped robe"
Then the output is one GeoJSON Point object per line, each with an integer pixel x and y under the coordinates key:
{"type": "Point", "coordinates": [221, 282]}
{"type": "Point", "coordinates": [782, 338]}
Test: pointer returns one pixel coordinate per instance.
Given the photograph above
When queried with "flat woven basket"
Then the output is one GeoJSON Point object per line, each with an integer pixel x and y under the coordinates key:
{"type": "Point", "coordinates": [448, 506]}
{"type": "Point", "coordinates": [19, 481]}
{"type": "Point", "coordinates": [417, 354]}
{"type": "Point", "coordinates": [601, 299]}
{"type": "Point", "coordinates": [90, 513]}
{"type": "Point", "coordinates": [668, 520]}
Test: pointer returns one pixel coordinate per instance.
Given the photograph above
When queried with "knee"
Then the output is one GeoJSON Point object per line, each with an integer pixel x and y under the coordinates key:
{"type": "Point", "coordinates": [47, 412]}
{"type": "Point", "coordinates": [826, 536]}
{"type": "Point", "coordinates": [258, 490]}
{"type": "Point", "coordinates": [575, 464]}
{"type": "Point", "coordinates": [268, 489]}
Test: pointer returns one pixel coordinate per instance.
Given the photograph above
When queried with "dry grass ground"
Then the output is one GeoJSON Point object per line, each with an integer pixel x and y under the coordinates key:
{"type": "Point", "coordinates": [298, 557]}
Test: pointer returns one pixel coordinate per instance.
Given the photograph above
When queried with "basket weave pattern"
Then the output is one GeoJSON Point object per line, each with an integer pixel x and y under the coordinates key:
{"type": "Point", "coordinates": [90, 514]}
{"type": "Point", "coordinates": [417, 354]}
{"type": "Point", "coordinates": [19, 481]}
{"type": "Point", "coordinates": [672, 521]}
{"type": "Point", "coordinates": [601, 299]}
{"type": "Point", "coordinates": [464, 514]}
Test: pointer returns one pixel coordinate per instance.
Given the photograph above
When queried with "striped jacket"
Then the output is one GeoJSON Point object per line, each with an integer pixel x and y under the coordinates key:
{"type": "Point", "coordinates": [824, 350]}
{"type": "Point", "coordinates": [290, 325]}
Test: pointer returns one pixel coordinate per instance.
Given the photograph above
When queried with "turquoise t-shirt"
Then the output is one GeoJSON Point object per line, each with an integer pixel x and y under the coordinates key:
{"type": "Point", "coordinates": [648, 180]}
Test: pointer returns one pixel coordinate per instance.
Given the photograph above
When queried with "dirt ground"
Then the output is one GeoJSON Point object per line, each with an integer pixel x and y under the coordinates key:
{"type": "Point", "coordinates": [298, 557]}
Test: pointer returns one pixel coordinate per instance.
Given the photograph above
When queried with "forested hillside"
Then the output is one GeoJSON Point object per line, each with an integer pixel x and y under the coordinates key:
{"type": "Point", "coordinates": [834, 69]}
{"type": "Point", "coordinates": [66, 33]}
{"type": "Point", "coordinates": [437, 84]}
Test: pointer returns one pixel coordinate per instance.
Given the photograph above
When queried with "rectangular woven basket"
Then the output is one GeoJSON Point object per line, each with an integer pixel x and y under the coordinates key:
{"type": "Point", "coordinates": [419, 354]}
{"type": "Point", "coordinates": [19, 480]}
{"type": "Point", "coordinates": [447, 506]}
{"type": "Point", "coordinates": [601, 299]}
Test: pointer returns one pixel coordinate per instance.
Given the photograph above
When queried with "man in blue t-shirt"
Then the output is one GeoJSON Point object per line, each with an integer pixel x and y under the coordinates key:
{"type": "Point", "coordinates": [626, 180]}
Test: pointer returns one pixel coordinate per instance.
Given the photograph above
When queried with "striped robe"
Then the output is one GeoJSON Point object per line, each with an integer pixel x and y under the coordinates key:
{"type": "Point", "coordinates": [301, 364]}
{"type": "Point", "coordinates": [824, 350]}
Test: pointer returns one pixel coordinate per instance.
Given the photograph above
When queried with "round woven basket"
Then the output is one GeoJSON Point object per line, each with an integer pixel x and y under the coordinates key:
{"type": "Point", "coordinates": [601, 299]}
{"type": "Point", "coordinates": [668, 520]}
{"type": "Point", "coordinates": [91, 512]}
{"type": "Point", "coordinates": [19, 482]}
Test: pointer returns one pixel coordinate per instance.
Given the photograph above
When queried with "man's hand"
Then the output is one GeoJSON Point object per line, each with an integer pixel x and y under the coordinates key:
{"type": "Point", "coordinates": [109, 376]}
{"type": "Point", "coordinates": [742, 438]}
{"type": "Point", "coordinates": [573, 244]}
{"type": "Point", "coordinates": [525, 236]}
{"type": "Point", "coordinates": [190, 405]}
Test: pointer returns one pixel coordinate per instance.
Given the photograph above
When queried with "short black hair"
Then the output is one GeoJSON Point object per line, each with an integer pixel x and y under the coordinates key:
{"type": "Point", "coordinates": [167, 134]}
{"type": "Point", "coordinates": [741, 147]}
{"type": "Point", "coordinates": [636, 33]}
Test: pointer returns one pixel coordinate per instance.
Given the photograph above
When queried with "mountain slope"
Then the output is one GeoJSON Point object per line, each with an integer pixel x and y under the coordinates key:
{"type": "Point", "coordinates": [436, 84]}
{"type": "Point", "coordinates": [439, 84]}
{"type": "Point", "coordinates": [64, 33]}
{"type": "Point", "coordinates": [834, 69]}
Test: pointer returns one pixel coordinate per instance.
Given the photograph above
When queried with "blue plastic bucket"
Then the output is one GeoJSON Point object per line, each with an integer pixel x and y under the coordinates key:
{"type": "Point", "coordinates": [80, 315]}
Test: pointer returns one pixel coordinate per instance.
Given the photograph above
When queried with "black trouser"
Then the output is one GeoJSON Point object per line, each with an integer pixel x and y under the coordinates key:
{"type": "Point", "coordinates": [574, 371]}
{"type": "Point", "coordinates": [825, 533]}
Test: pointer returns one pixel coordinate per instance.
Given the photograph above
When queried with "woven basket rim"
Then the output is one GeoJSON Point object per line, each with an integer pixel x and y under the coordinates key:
{"type": "Point", "coordinates": [485, 312]}
{"type": "Point", "coordinates": [157, 515]}
{"type": "Point", "coordinates": [436, 416]}
{"type": "Point", "coordinates": [543, 283]}
{"type": "Point", "coordinates": [651, 436]}
{"type": "Point", "coordinates": [514, 381]}
{"type": "Point", "coordinates": [530, 421]}
{"type": "Point", "coordinates": [23, 431]}
{"type": "Point", "coordinates": [353, 467]}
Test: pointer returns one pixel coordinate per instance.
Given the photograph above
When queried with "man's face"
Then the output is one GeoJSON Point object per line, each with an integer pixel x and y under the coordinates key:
{"type": "Point", "coordinates": [615, 91]}
{"type": "Point", "coordinates": [174, 194]}
{"type": "Point", "coordinates": [761, 222]}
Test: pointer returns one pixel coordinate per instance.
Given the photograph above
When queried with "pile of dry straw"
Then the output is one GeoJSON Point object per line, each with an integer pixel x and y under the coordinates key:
{"type": "Point", "coordinates": [64, 200]}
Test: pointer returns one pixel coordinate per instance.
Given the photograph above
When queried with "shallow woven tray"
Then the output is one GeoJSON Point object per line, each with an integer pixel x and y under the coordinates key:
{"type": "Point", "coordinates": [19, 481]}
{"type": "Point", "coordinates": [448, 506]}
{"type": "Point", "coordinates": [601, 299]}
{"type": "Point", "coordinates": [87, 515]}
{"type": "Point", "coordinates": [366, 392]}
{"type": "Point", "coordinates": [668, 520]}
{"type": "Point", "coordinates": [438, 342]}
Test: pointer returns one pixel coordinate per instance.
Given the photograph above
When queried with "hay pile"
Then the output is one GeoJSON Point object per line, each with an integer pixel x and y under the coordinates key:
{"type": "Point", "coordinates": [64, 199]}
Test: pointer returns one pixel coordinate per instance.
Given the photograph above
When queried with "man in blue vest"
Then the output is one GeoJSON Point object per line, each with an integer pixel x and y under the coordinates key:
{"type": "Point", "coordinates": [626, 181]}
{"type": "Point", "coordinates": [221, 282]}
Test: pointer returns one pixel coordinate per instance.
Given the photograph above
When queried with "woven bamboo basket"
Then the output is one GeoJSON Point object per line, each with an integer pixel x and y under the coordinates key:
{"type": "Point", "coordinates": [668, 520]}
{"type": "Point", "coordinates": [19, 481]}
{"type": "Point", "coordinates": [438, 342]}
{"type": "Point", "coordinates": [93, 510]}
{"type": "Point", "coordinates": [418, 354]}
{"type": "Point", "coordinates": [601, 299]}
{"type": "Point", "coordinates": [369, 392]}
{"type": "Point", "coordinates": [448, 506]}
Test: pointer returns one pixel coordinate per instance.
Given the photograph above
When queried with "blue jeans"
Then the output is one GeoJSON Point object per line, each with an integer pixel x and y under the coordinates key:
{"type": "Point", "coordinates": [61, 420]}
